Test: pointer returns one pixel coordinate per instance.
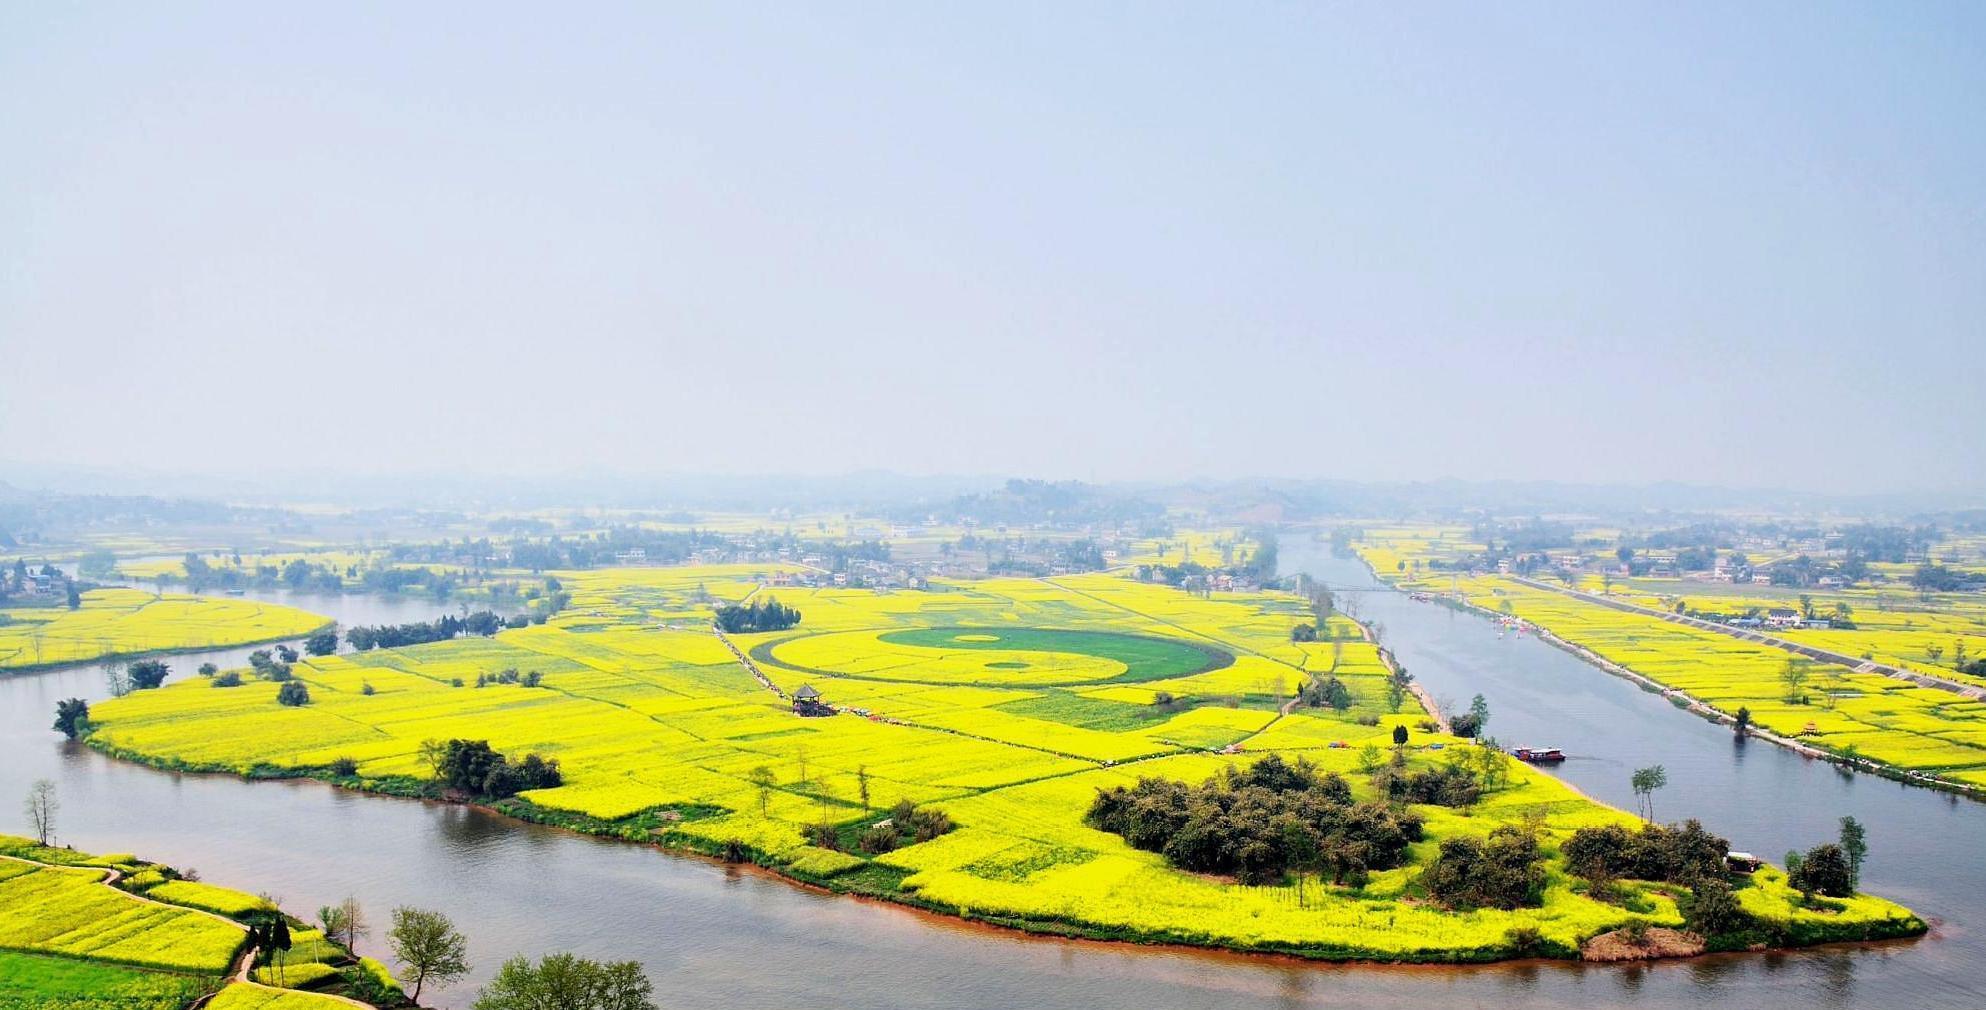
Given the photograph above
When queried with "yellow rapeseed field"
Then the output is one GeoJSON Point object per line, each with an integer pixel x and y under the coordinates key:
{"type": "Point", "coordinates": [1004, 703]}
{"type": "Point", "coordinates": [123, 622]}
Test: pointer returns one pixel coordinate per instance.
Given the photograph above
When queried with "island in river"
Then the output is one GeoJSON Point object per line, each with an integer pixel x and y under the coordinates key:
{"type": "Point", "coordinates": [964, 737]}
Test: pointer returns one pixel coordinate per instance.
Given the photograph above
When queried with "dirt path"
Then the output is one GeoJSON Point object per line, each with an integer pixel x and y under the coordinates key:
{"type": "Point", "coordinates": [110, 879]}
{"type": "Point", "coordinates": [244, 964]}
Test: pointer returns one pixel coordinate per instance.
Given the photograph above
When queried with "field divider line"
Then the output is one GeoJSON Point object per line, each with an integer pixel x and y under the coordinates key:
{"type": "Point", "coordinates": [109, 880]}
{"type": "Point", "coordinates": [1706, 710]}
{"type": "Point", "coordinates": [1856, 664]}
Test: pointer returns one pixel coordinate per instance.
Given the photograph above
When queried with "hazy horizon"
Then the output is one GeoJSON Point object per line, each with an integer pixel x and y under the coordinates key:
{"type": "Point", "coordinates": [1736, 247]}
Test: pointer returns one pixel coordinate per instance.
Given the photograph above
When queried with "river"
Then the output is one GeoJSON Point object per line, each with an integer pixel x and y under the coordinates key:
{"type": "Point", "coordinates": [719, 937]}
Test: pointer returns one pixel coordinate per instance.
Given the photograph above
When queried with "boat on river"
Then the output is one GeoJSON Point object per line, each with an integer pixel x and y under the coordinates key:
{"type": "Point", "coordinates": [1538, 755]}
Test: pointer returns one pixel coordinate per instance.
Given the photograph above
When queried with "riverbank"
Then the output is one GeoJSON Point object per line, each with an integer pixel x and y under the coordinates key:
{"type": "Point", "coordinates": [713, 740]}
{"type": "Point", "coordinates": [518, 887]}
{"type": "Point", "coordinates": [1689, 702]}
{"type": "Point", "coordinates": [651, 829]}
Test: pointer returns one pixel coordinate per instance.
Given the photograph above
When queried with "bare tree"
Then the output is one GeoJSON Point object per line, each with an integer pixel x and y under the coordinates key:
{"type": "Point", "coordinates": [41, 807]}
{"type": "Point", "coordinates": [352, 919]}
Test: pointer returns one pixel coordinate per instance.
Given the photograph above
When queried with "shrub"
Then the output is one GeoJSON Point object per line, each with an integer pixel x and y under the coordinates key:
{"type": "Point", "coordinates": [824, 836]}
{"type": "Point", "coordinates": [1710, 909]}
{"type": "Point", "coordinates": [1524, 941]}
{"type": "Point", "coordinates": [366, 688]}
{"type": "Point", "coordinates": [879, 838]}
{"type": "Point", "coordinates": [344, 767]}
{"type": "Point", "coordinates": [293, 694]}
{"type": "Point", "coordinates": [928, 824]}
{"type": "Point", "coordinates": [232, 678]}
{"type": "Point", "coordinates": [1501, 871]}
{"type": "Point", "coordinates": [1635, 931]}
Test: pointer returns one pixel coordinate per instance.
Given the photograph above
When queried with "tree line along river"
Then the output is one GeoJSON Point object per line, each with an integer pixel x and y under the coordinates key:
{"type": "Point", "coordinates": [715, 936]}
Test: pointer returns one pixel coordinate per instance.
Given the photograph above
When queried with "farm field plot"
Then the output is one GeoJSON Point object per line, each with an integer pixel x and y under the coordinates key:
{"type": "Point", "coordinates": [122, 622]}
{"type": "Point", "coordinates": [1005, 705]}
{"type": "Point", "coordinates": [33, 981]}
{"type": "Point", "coordinates": [89, 931]}
{"type": "Point", "coordinates": [1864, 716]}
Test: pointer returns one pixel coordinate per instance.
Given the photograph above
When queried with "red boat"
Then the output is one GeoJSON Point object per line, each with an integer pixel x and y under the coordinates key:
{"type": "Point", "coordinates": [1538, 755]}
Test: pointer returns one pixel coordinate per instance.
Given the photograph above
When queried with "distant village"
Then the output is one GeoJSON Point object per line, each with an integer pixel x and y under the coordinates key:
{"type": "Point", "coordinates": [1858, 556]}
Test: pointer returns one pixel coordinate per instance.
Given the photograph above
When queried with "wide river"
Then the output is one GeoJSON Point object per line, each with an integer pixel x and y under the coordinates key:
{"type": "Point", "coordinates": [716, 937]}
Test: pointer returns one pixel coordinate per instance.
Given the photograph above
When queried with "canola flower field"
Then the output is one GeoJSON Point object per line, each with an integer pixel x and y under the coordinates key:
{"type": "Point", "coordinates": [1861, 716]}
{"type": "Point", "coordinates": [1006, 704]}
{"type": "Point", "coordinates": [129, 622]}
{"type": "Point", "coordinates": [84, 930]}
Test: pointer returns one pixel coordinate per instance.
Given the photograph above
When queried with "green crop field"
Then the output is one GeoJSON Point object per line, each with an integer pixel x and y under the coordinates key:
{"type": "Point", "coordinates": [85, 931]}
{"type": "Point", "coordinates": [1005, 704]}
{"type": "Point", "coordinates": [39, 981]}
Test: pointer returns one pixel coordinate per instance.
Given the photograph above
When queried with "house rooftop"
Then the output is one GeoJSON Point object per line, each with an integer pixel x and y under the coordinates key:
{"type": "Point", "coordinates": [806, 693]}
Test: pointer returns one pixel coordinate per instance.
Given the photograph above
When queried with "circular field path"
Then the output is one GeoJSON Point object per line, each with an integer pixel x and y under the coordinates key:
{"type": "Point", "coordinates": [993, 657]}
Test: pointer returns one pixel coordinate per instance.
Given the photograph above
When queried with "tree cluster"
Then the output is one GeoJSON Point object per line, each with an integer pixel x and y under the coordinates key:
{"type": "Point", "coordinates": [769, 615]}
{"type": "Point", "coordinates": [268, 667]}
{"type": "Point", "coordinates": [567, 982]}
{"type": "Point", "coordinates": [1501, 871]}
{"type": "Point", "coordinates": [1320, 692]}
{"type": "Point", "coordinates": [1259, 825]}
{"type": "Point", "coordinates": [1451, 785]}
{"type": "Point", "coordinates": [1933, 577]}
{"type": "Point", "coordinates": [1680, 855]}
{"type": "Point", "coordinates": [393, 636]}
{"type": "Point", "coordinates": [472, 766]}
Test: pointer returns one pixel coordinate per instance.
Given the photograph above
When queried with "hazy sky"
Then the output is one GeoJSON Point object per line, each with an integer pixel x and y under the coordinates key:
{"type": "Point", "coordinates": [1733, 243]}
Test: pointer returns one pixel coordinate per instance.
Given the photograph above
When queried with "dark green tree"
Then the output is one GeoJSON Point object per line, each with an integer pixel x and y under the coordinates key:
{"type": "Point", "coordinates": [324, 643]}
{"type": "Point", "coordinates": [147, 674]}
{"type": "Point", "coordinates": [72, 716]}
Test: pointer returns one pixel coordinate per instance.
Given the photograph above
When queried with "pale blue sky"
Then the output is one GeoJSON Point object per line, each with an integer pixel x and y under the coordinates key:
{"type": "Point", "coordinates": [1731, 243]}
